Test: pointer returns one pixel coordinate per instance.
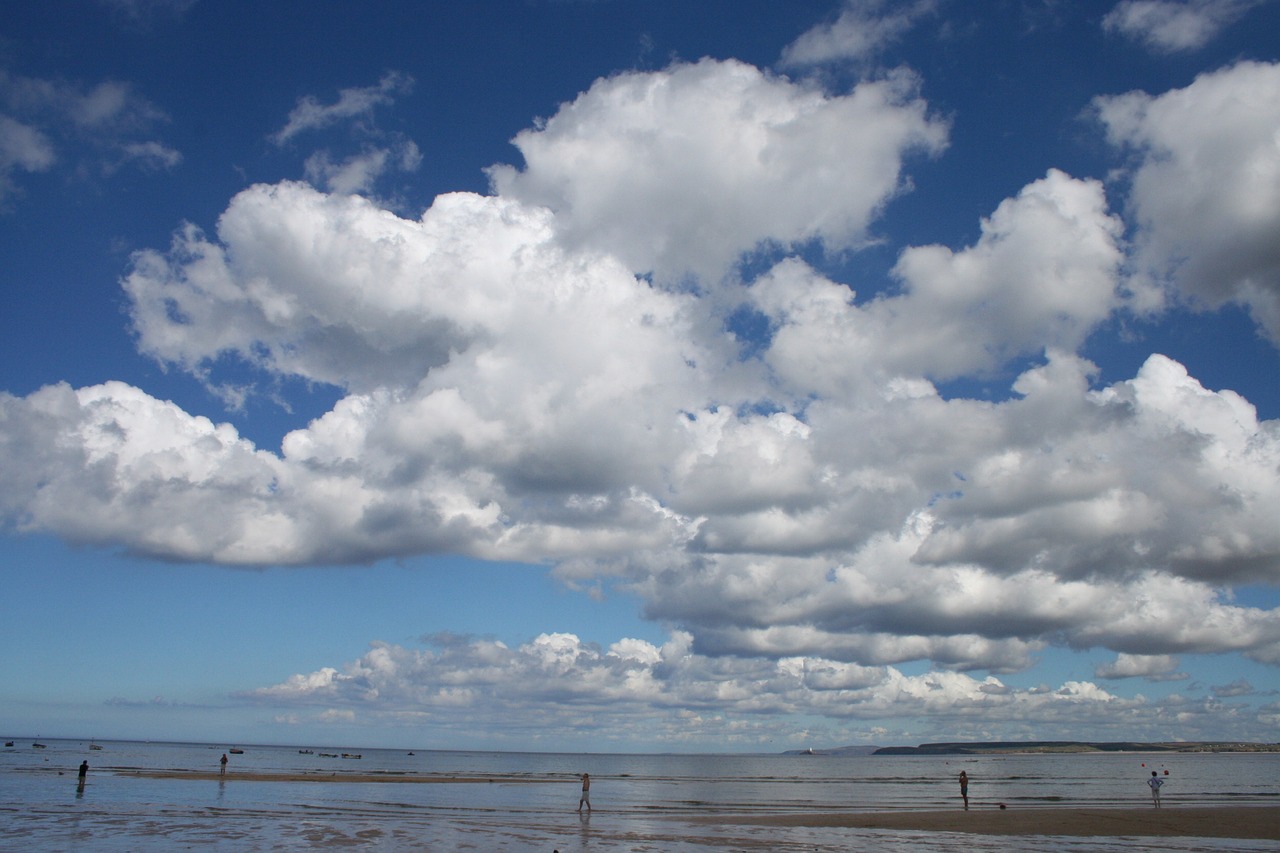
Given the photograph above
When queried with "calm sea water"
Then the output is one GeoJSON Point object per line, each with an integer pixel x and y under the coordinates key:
{"type": "Point", "coordinates": [642, 802]}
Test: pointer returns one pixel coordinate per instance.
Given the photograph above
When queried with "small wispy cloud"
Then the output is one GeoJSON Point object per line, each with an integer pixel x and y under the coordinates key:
{"type": "Point", "coordinates": [862, 29]}
{"type": "Point", "coordinates": [311, 114]}
{"type": "Point", "coordinates": [149, 10]}
{"type": "Point", "coordinates": [1239, 687]}
{"type": "Point", "coordinates": [98, 128]}
{"type": "Point", "coordinates": [1172, 26]}
{"type": "Point", "coordinates": [357, 174]}
{"type": "Point", "coordinates": [22, 148]}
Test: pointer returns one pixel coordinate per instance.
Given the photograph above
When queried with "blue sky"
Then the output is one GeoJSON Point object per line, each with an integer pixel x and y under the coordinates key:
{"type": "Point", "coordinates": [658, 376]}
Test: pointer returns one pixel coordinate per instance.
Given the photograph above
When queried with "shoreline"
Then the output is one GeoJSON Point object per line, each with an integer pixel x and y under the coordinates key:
{"type": "Point", "coordinates": [325, 776]}
{"type": "Point", "coordinates": [1246, 822]}
{"type": "Point", "coordinates": [1252, 822]}
{"type": "Point", "coordinates": [1257, 822]}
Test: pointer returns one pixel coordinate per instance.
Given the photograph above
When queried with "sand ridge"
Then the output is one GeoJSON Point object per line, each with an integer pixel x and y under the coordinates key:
{"type": "Point", "coordinates": [1254, 822]}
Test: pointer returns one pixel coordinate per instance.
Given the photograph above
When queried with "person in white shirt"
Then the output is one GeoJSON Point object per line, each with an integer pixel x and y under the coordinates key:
{"type": "Point", "coordinates": [1155, 782]}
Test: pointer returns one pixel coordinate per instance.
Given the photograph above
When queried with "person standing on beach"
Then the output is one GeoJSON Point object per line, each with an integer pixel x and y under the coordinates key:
{"type": "Point", "coordinates": [964, 789]}
{"type": "Point", "coordinates": [84, 771]}
{"type": "Point", "coordinates": [1155, 782]}
{"type": "Point", "coordinates": [586, 793]}
{"type": "Point", "coordinates": [223, 770]}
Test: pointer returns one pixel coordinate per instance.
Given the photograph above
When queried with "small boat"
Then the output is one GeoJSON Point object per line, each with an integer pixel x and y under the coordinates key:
{"type": "Point", "coordinates": [94, 746]}
{"type": "Point", "coordinates": [411, 753]}
{"type": "Point", "coordinates": [39, 746]}
{"type": "Point", "coordinates": [8, 743]}
{"type": "Point", "coordinates": [328, 755]}
{"type": "Point", "coordinates": [305, 752]}
{"type": "Point", "coordinates": [352, 755]}
{"type": "Point", "coordinates": [235, 751]}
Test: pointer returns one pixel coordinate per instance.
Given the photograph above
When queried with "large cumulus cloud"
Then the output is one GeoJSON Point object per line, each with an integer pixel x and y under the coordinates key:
{"type": "Point", "coordinates": [682, 171]}
{"type": "Point", "coordinates": [1206, 187]}
{"type": "Point", "coordinates": [526, 378]}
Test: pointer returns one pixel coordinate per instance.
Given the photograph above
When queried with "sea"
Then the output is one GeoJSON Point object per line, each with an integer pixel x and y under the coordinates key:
{"type": "Point", "coordinates": [528, 801]}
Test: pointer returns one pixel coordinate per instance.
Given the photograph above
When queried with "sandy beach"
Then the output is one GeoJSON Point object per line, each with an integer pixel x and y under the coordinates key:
{"type": "Point", "coordinates": [1253, 822]}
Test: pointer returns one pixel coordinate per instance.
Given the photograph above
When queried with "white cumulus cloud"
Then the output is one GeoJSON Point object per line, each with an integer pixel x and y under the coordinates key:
{"type": "Point", "coordinates": [671, 696]}
{"type": "Point", "coordinates": [807, 517]}
{"type": "Point", "coordinates": [681, 171]}
{"type": "Point", "coordinates": [1206, 187]}
{"type": "Point", "coordinates": [1155, 667]}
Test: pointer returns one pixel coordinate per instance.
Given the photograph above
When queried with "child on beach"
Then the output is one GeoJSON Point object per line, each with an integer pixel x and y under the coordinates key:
{"type": "Point", "coordinates": [1155, 782]}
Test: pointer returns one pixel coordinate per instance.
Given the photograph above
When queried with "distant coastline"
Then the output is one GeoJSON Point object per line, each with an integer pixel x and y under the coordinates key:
{"type": "Point", "coordinates": [1042, 747]}
{"type": "Point", "coordinates": [1073, 747]}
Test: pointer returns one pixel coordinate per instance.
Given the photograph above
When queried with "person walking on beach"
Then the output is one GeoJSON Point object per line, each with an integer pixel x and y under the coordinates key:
{"type": "Point", "coordinates": [1155, 782]}
{"type": "Point", "coordinates": [223, 770]}
{"type": "Point", "coordinates": [586, 793]}
{"type": "Point", "coordinates": [964, 789]}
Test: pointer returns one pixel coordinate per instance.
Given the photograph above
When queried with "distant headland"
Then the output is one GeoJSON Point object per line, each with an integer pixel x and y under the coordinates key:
{"type": "Point", "coordinates": [1041, 747]}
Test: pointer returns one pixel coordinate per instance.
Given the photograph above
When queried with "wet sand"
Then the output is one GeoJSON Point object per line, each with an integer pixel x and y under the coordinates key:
{"type": "Point", "coordinates": [1254, 822]}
